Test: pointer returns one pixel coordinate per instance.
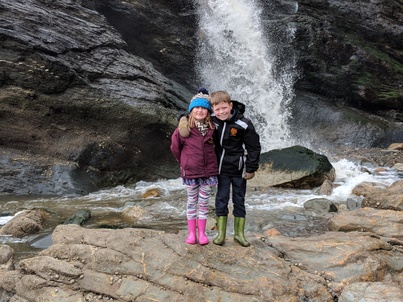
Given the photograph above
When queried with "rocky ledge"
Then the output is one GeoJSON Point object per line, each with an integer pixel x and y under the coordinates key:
{"type": "Point", "coordinates": [359, 256]}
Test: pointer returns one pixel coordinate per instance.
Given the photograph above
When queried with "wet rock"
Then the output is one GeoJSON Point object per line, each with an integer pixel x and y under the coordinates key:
{"type": "Point", "coordinates": [140, 264]}
{"type": "Point", "coordinates": [381, 196]}
{"type": "Point", "coordinates": [88, 102]}
{"type": "Point", "coordinates": [371, 291]}
{"type": "Point", "coordinates": [398, 167]}
{"type": "Point", "coordinates": [326, 188]}
{"type": "Point", "coordinates": [320, 205]}
{"type": "Point", "coordinates": [79, 218]}
{"type": "Point", "coordinates": [135, 212]}
{"type": "Point", "coordinates": [396, 146]}
{"type": "Point", "coordinates": [380, 222]}
{"type": "Point", "coordinates": [352, 204]}
{"type": "Point", "coordinates": [25, 223]}
{"type": "Point", "coordinates": [154, 192]}
{"type": "Point", "coordinates": [147, 264]}
{"type": "Point", "coordinates": [6, 258]}
{"type": "Point", "coordinates": [339, 258]}
{"type": "Point", "coordinates": [293, 167]}
{"type": "Point", "coordinates": [368, 188]}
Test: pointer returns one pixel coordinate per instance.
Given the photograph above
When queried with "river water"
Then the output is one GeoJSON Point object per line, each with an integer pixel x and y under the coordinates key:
{"type": "Point", "coordinates": [266, 207]}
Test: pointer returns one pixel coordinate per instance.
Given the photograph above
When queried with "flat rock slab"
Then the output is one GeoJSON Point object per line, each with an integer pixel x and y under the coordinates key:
{"type": "Point", "coordinates": [138, 265]}
{"type": "Point", "coordinates": [342, 258]}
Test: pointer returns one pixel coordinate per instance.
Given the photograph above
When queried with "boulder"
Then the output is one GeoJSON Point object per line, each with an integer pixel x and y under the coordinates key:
{"type": "Point", "coordinates": [326, 188]}
{"type": "Point", "coordinates": [381, 196]}
{"type": "Point", "coordinates": [293, 167]}
{"type": "Point", "coordinates": [6, 258]}
{"type": "Point", "coordinates": [25, 223]}
{"type": "Point", "coordinates": [320, 205]}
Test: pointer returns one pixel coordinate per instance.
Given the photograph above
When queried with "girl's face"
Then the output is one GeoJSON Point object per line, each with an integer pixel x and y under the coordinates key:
{"type": "Point", "coordinates": [222, 110]}
{"type": "Point", "coordinates": [199, 113]}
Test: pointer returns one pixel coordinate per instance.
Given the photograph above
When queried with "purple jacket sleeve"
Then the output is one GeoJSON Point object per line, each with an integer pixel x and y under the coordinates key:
{"type": "Point", "coordinates": [176, 145]}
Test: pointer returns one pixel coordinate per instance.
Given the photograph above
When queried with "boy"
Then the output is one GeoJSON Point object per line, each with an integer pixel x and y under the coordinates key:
{"type": "Point", "coordinates": [237, 146]}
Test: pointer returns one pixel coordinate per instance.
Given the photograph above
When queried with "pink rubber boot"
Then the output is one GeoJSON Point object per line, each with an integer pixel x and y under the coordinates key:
{"type": "Point", "coordinates": [192, 232]}
{"type": "Point", "coordinates": [201, 227]}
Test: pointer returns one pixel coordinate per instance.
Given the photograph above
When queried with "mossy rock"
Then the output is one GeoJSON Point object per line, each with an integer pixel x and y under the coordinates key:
{"type": "Point", "coordinates": [293, 167]}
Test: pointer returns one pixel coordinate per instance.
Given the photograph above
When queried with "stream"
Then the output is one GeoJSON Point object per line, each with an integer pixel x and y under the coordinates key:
{"type": "Point", "coordinates": [266, 208]}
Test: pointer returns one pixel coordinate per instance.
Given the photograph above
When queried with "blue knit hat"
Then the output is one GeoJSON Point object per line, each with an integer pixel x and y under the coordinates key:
{"type": "Point", "coordinates": [200, 100]}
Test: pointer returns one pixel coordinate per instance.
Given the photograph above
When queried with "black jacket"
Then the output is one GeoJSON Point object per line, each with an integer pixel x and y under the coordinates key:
{"type": "Point", "coordinates": [237, 143]}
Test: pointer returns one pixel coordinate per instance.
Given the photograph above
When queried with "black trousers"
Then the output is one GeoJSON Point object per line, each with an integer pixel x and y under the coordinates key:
{"type": "Point", "coordinates": [238, 185]}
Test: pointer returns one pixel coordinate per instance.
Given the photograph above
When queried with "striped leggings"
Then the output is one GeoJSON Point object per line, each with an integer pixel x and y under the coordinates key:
{"type": "Point", "coordinates": [197, 203]}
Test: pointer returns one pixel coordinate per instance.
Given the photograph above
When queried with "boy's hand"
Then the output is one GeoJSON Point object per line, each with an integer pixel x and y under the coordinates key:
{"type": "Point", "coordinates": [248, 176]}
{"type": "Point", "coordinates": [183, 127]}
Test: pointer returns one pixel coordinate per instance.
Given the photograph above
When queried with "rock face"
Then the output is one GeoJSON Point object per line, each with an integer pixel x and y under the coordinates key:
{"type": "Point", "coordinates": [71, 91]}
{"type": "Point", "coordinates": [353, 34]}
{"type": "Point", "coordinates": [350, 63]}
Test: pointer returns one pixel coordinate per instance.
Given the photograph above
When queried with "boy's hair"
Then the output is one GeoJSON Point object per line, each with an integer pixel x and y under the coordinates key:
{"type": "Point", "coordinates": [220, 96]}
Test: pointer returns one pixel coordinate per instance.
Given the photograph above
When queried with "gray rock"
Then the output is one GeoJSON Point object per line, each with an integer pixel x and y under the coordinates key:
{"type": "Point", "coordinates": [320, 205]}
{"type": "Point", "coordinates": [136, 264]}
{"type": "Point", "coordinates": [25, 223]}
{"type": "Point", "coordinates": [79, 218]}
{"type": "Point", "coordinates": [371, 291]}
{"type": "Point", "coordinates": [351, 204]}
{"type": "Point", "coordinates": [293, 167]}
{"type": "Point", "coordinates": [380, 222]}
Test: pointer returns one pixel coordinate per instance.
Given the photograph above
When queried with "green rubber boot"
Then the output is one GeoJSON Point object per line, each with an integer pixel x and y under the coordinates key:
{"type": "Point", "coordinates": [222, 229]}
{"type": "Point", "coordinates": [239, 227]}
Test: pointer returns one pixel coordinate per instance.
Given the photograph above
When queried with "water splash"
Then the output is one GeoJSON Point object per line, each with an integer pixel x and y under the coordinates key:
{"type": "Point", "coordinates": [233, 55]}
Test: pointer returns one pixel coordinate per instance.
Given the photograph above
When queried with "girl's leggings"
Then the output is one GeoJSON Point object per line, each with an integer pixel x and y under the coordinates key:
{"type": "Point", "coordinates": [198, 196]}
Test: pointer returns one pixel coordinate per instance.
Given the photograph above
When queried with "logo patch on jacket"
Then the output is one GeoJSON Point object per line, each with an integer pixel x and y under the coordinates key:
{"type": "Point", "coordinates": [233, 132]}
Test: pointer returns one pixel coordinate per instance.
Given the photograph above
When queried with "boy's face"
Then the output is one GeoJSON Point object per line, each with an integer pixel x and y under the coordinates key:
{"type": "Point", "coordinates": [222, 110]}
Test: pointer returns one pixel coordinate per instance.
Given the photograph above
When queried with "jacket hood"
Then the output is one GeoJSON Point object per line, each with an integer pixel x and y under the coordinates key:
{"type": "Point", "coordinates": [240, 107]}
{"type": "Point", "coordinates": [238, 110]}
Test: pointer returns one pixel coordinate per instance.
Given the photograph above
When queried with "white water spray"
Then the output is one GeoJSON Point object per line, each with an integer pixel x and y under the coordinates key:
{"type": "Point", "coordinates": [233, 56]}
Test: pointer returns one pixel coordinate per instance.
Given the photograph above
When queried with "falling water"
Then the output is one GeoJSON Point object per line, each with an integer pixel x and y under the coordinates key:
{"type": "Point", "coordinates": [234, 56]}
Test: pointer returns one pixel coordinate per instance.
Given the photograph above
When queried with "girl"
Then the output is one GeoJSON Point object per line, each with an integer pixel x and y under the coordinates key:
{"type": "Point", "coordinates": [198, 165]}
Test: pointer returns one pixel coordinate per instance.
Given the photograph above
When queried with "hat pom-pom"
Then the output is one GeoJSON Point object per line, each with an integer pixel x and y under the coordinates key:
{"type": "Point", "coordinates": [202, 90]}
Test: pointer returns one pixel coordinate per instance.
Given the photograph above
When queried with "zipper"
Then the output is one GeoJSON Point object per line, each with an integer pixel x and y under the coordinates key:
{"type": "Point", "coordinates": [223, 150]}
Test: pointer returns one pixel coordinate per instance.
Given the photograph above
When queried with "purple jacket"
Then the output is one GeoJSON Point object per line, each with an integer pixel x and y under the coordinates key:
{"type": "Point", "coordinates": [195, 154]}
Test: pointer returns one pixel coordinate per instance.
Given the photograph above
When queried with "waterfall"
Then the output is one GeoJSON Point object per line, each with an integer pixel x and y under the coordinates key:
{"type": "Point", "coordinates": [234, 55]}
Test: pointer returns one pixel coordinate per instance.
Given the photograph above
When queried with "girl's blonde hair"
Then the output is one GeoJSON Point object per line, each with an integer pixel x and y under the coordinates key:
{"type": "Point", "coordinates": [207, 120]}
